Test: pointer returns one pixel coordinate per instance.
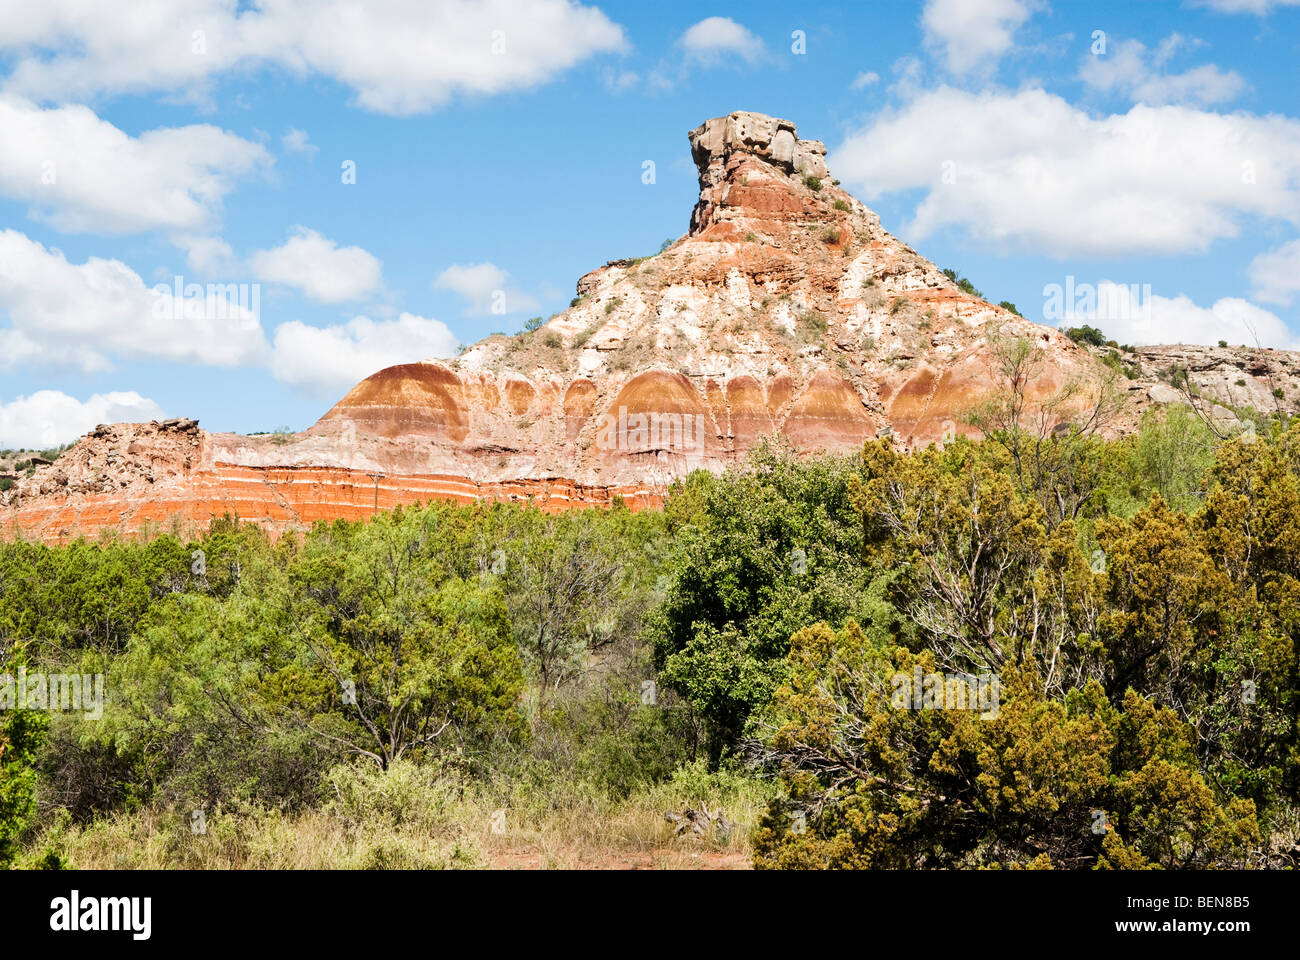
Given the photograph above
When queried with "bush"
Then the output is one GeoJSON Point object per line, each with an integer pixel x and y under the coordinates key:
{"type": "Point", "coordinates": [812, 183]}
{"type": "Point", "coordinates": [1018, 783]}
{"type": "Point", "coordinates": [1087, 335]}
{"type": "Point", "coordinates": [760, 552]}
{"type": "Point", "coordinates": [814, 321]}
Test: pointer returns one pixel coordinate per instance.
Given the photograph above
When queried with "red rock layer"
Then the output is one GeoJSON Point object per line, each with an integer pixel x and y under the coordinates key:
{"type": "Point", "coordinates": [288, 498]}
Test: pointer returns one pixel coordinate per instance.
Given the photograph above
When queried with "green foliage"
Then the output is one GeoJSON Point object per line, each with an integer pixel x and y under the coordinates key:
{"type": "Point", "coordinates": [1170, 456]}
{"type": "Point", "coordinates": [759, 553]}
{"type": "Point", "coordinates": [1087, 335]}
{"type": "Point", "coordinates": [1113, 360]}
{"type": "Point", "coordinates": [963, 284]}
{"type": "Point", "coordinates": [812, 183]}
{"type": "Point", "coordinates": [814, 322]}
{"type": "Point", "coordinates": [532, 324]}
{"type": "Point", "coordinates": [21, 735]}
{"type": "Point", "coordinates": [1011, 307]}
{"type": "Point", "coordinates": [1137, 601]}
{"type": "Point", "coordinates": [1038, 782]}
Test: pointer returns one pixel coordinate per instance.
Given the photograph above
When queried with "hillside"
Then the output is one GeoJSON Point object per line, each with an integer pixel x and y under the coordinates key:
{"type": "Point", "coordinates": [786, 308]}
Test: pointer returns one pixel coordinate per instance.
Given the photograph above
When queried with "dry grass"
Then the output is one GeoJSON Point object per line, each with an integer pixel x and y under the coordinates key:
{"type": "Point", "coordinates": [408, 819]}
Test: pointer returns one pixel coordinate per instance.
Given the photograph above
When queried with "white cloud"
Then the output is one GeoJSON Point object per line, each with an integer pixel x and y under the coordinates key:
{"type": "Point", "coordinates": [82, 174]}
{"type": "Point", "coordinates": [398, 56]}
{"type": "Point", "coordinates": [713, 40]}
{"type": "Point", "coordinates": [973, 34]}
{"type": "Point", "coordinates": [48, 417]}
{"type": "Point", "coordinates": [1129, 316]}
{"type": "Point", "coordinates": [1130, 70]}
{"type": "Point", "coordinates": [297, 141]}
{"type": "Point", "coordinates": [329, 360]}
{"type": "Point", "coordinates": [483, 287]}
{"type": "Point", "coordinates": [208, 256]}
{"type": "Point", "coordinates": [868, 79]}
{"type": "Point", "coordinates": [1028, 169]}
{"type": "Point", "coordinates": [320, 268]}
{"type": "Point", "coordinates": [87, 315]}
{"type": "Point", "coordinates": [621, 81]}
{"type": "Point", "coordinates": [1275, 275]}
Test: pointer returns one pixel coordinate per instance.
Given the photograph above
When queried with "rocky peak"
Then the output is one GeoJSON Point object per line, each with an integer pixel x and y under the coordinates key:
{"type": "Point", "coordinates": [787, 309]}
{"type": "Point", "coordinates": [744, 150]}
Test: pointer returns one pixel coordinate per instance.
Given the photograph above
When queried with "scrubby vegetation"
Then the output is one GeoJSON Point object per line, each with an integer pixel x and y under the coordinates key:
{"type": "Point", "coordinates": [964, 285]}
{"type": "Point", "coordinates": [712, 684]}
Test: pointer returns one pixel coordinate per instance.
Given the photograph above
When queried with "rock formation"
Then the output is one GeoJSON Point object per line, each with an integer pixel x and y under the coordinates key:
{"type": "Point", "coordinates": [785, 309]}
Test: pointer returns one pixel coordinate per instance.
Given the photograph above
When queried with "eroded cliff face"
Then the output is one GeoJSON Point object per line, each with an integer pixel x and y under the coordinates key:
{"type": "Point", "coordinates": [786, 309]}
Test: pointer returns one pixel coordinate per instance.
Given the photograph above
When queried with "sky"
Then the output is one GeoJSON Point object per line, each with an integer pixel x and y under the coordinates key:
{"type": "Point", "coordinates": [234, 211]}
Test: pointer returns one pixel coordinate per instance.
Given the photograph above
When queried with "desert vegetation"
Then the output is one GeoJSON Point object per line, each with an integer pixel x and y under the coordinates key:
{"type": "Point", "coordinates": [715, 684]}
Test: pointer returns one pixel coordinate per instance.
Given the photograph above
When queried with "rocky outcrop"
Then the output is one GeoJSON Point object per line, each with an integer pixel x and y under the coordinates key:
{"type": "Point", "coordinates": [785, 309]}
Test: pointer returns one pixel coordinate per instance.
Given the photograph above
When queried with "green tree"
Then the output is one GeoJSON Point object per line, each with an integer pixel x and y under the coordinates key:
{"type": "Point", "coordinates": [1035, 782]}
{"type": "Point", "coordinates": [759, 553]}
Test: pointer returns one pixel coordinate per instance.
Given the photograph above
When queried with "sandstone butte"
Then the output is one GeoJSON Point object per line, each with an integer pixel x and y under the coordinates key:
{"type": "Point", "coordinates": [785, 309]}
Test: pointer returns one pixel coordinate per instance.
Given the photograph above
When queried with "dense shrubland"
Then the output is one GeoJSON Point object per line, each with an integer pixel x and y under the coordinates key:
{"type": "Point", "coordinates": [458, 686]}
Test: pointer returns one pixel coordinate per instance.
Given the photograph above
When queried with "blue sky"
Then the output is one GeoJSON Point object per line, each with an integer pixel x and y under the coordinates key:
{"type": "Point", "coordinates": [500, 146]}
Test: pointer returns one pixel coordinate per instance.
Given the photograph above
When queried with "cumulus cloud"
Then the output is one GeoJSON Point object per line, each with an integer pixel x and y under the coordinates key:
{"type": "Point", "coordinates": [716, 39]}
{"type": "Point", "coordinates": [1130, 69]}
{"type": "Point", "coordinates": [867, 79]}
{"type": "Point", "coordinates": [327, 360]}
{"type": "Point", "coordinates": [82, 174]}
{"type": "Point", "coordinates": [48, 418]}
{"type": "Point", "coordinates": [973, 34]}
{"type": "Point", "coordinates": [319, 267]}
{"type": "Point", "coordinates": [1027, 169]}
{"type": "Point", "coordinates": [1137, 316]}
{"type": "Point", "coordinates": [483, 287]}
{"type": "Point", "coordinates": [208, 255]}
{"type": "Point", "coordinates": [1275, 274]}
{"type": "Point", "coordinates": [397, 56]}
{"type": "Point", "coordinates": [88, 315]}
{"type": "Point", "coordinates": [297, 141]}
